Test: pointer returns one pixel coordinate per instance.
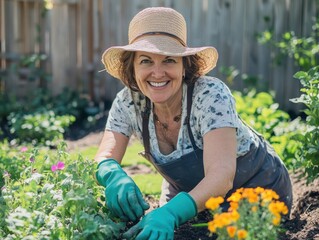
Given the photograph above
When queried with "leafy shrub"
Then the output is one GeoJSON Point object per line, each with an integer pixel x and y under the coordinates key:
{"type": "Point", "coordinates": [40, 128]}
{"type": "Point", "coordinates": [39, 110]}
{"type": "Point", "coordinates": [54, 197]}
{"type": "Point", "coordinates": [259, 111]}
{"type": "Point", "coordinates": [66, 103]}
{"type": "Point", "coordinates": [308, 153]}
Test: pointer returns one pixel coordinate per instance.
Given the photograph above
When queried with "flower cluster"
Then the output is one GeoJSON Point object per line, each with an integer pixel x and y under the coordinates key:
{"type": "Point", "coordinates": [253, 213]}
{"type": "Point", "coordinates": [58, 166]}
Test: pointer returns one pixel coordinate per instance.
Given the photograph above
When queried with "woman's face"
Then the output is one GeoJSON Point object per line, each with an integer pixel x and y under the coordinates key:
{"type": "Point", "coordinates": [158, 77]}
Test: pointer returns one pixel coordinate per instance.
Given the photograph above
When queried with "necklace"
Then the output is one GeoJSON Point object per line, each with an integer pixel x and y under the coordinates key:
{"type": "Point", "coordinates": [177, 118]}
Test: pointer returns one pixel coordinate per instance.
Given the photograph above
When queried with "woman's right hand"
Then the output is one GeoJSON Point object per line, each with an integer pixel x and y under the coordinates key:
{"type": "Point", "coordinates": [123, 197]}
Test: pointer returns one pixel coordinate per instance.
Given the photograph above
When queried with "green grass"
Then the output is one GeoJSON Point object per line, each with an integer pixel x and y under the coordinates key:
{"type": "Point", "coordinates": [88, 152]}
{"type": "Point", "coordinates": [132, 157]}
{"type": "Point", "coordinates": [149, 184]}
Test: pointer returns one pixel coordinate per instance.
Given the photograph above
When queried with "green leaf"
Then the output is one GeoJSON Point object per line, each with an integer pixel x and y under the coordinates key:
{"type": "Point", "coordinates": [300, 75]}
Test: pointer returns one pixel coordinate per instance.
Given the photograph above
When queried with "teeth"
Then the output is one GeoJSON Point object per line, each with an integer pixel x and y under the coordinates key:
{"type": "Point", "coordinates": [158, 84]}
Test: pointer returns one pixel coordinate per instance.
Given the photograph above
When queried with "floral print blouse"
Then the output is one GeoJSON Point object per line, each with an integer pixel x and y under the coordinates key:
{"type": "Point", "coordinates": [213, 107]}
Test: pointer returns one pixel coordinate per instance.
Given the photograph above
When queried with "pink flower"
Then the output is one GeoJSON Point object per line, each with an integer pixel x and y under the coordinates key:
{"type": "Point", "coordinates": [58, 166]}
{"type": "Point", "coordinates": [24, 149]}
{"type": "Point", "coordinates": [54, 168]}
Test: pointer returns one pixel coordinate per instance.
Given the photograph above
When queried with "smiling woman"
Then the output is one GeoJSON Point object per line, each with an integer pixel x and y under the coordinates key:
{"type": "Point", "coordinates": [187, 123]}
{"type": "Point", "coordinates": [159, 78]}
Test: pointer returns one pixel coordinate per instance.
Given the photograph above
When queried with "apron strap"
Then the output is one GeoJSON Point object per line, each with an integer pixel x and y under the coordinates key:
{"type": "Point", "coordinates": [145, 132]}
{"type": "Point", "coordinates": [190, 89]}
{"type": "Point", "coordinates": [146, 116]}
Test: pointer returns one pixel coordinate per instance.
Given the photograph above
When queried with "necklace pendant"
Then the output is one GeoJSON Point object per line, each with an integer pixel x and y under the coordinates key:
{"type": "Point", "coordinates": [177, 118]}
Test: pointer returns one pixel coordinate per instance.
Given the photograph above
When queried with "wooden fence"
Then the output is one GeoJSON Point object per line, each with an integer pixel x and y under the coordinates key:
{"type": "Point", "coordinates": [73, 34]}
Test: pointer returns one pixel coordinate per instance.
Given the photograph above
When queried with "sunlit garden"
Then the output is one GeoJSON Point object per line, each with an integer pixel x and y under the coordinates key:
{"type": "Point", "coordinates": [48, 192]}
{"type": "Point", "coordinates": [48, 189]}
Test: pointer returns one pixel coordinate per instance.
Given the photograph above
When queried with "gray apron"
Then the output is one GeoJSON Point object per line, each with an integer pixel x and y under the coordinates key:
{"type": "Point", "coordinates": [260, 167]}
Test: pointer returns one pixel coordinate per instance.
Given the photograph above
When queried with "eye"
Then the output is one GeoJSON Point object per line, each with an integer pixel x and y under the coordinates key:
{"type": "Point", "coordinates": [170, 60]}
{"type": "Point", "coordinates": [145, 61]}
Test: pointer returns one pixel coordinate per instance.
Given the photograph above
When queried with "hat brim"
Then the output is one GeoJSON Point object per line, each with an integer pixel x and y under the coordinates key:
{"type": "Point", "coordinates": [158, 45]}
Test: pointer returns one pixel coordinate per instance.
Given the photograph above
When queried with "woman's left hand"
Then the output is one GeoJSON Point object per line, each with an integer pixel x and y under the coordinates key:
{"type": "Point", "coordinates": [160, 223]}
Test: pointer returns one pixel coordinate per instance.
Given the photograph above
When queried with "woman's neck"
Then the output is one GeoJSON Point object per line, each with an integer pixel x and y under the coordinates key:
{"type": "Point", "coordinates": [170, 109]}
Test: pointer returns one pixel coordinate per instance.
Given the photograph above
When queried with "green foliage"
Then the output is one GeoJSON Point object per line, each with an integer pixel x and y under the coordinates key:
{"type": "Point", "coordinates": [66, 103]}
{"type": "Point", "coordinates": [39, 128]}
{"type": "Point", "coordinates": [42, 118]}
{"type": "Point", "coordinates": [308, 154]}
{"type": "Point", "coordinates": [304, 51]}
{"type": "Point", "coordinates": [260, 112]}
{"type": "Point", "coordinates": [43, 203]}
{"type": "Point", "coordinates": [8, 105]}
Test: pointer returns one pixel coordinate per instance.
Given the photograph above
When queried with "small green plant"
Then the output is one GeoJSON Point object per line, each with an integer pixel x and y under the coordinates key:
{"type": "Point", "coordinates": [40, 128]}
{"type": "Point", "coordinates": [53, 197]}
{"type": "Point", "coordinates": [254, 214]}
{"type": "Point", "coordinates": [260, 112]}
{"type": "Point", "coordinates": [308, 153]}
{"type": "Point", "coordinates": [42, 117]}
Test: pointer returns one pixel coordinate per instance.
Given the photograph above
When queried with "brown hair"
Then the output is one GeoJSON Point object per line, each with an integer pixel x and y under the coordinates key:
{"type": "Point", "coordinates": [192, 65]}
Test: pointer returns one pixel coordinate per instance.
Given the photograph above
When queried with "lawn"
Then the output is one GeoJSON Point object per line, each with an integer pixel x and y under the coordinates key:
{"type": "Point", "coordinates": [149, 183]}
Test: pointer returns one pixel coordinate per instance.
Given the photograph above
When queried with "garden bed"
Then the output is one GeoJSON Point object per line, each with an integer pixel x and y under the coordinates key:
{"type": "Point", "coordinates": [303, 222]}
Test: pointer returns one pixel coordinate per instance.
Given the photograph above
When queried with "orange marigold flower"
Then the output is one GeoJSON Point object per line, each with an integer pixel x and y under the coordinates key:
{"type": "Point", "coordinates": [278, 207]}
{"type": "Point", "coordinates": [233, 206]}
{"type": "Point", "coordinates": [235, 197]}
{"type": "Point", "coordinates": [234, 215]}
{"type": "Point", "coordinates": [251, 195]}
{"type": "Point", "coordinates": [276, 220]}
{"type": "Point", "coordinates": [231, 230]}
{"type": "Point", "coordinates": [212, 226]}
{"type": "Point", "coordinates": [247, 192]}
{"type": "Point", "coordinates": [242, 234]}
{"type": "Point", "coordinates": [259, 190]}
{"type": "Point", "coordinates": [214, 202]}
{"type": "Point", "coordinates": [268, 195]}
{"type": "Point", "coordinates": [222, 219]}
{"type": "Point", "coordinates": [253, 198]}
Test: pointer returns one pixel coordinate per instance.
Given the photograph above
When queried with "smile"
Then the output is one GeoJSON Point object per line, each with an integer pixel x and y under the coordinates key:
{"type": "Point", "coordinates": [158, 84]}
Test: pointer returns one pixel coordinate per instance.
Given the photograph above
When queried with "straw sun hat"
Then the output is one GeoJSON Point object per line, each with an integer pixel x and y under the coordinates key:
{"type": "Point", "coordinates": [162, 31]}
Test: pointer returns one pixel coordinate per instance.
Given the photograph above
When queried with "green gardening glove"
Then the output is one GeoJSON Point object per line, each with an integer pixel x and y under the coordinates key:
{"type": "Point", "coordinates": [160, 223]}
{"type": "Point", "coordinates": [123, 197]}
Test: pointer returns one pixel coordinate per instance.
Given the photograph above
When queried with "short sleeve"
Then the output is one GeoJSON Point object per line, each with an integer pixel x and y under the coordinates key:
{"type": "Point", "coordinates": [119, 119]}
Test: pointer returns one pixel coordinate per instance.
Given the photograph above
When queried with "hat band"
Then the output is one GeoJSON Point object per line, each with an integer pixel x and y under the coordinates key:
{"type": "Point", "coordinates": [159, 33]}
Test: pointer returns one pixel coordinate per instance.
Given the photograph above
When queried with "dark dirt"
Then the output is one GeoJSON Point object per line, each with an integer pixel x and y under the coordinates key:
{"type": "Point", "coordinates": [303, 223]}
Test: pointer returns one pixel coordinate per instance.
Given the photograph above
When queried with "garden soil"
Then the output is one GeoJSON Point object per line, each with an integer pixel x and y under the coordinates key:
{"type": "Point", "coordinates": [303, 223]}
